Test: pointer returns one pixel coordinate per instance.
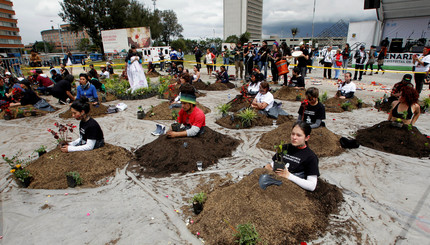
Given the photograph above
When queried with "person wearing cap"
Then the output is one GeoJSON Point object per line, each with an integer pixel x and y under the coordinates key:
{"type": "Point", "coordinates": [104, 73]}
{"type": "Point", "coordinates": [397, 88]}
{"type": "Point", "coordinates": [406, 108]}
{"type": "Point", "coordinates": [347, 88]}
{"type": "Point", "coordinates": [63, 89]}
{"type": "Point", "coordinates": [360, 57]}
{"type": "Point", "coordinates": [190, 116]}
{"type": "Point", "coordinates": [135, 73]}
{"type": "Point", "coordinates": [422, 66]}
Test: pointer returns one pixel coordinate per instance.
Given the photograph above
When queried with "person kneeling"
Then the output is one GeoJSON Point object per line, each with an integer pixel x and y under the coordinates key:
{"type": "Point", "coordinates": [264, 99]}
{"type": "Point", "coordinates": [191, 116]}
{"type": "Point", "coordinates": [301, 163]}
{"type": "Point", "coordinates": [311, 111]}
{"type": "Point", "coordinates": [90, 133]}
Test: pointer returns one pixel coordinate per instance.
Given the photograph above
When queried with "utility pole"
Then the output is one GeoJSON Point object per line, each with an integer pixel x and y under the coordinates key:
{"type": "Point", "coordinates": [154, 3]}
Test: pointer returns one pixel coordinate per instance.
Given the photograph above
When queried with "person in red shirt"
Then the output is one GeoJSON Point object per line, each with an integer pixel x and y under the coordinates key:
{"type": "Point", "coordinates": [45, 83]}
{"type": "Point", "coordinates": [190, 116]}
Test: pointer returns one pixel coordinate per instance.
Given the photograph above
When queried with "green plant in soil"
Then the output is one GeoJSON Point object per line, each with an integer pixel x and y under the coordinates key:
{"type": "Point", "coordinates": [298, 97]}
{"type": "Point", "coordinates": [247, 116]}
{"type": "Point", "coordinates": [163, 87]}
{"type": "Point", "coordinates": [280, 151]}
{"type": "Point", "coordinates": [17, 165]}
{"type": "Point", "coordinates": [223, 109]}
{"type": "Point", "coordinates": [399, 120]}
{"type": "Point", "coordinates": [199, 198]}
{"type": "Point", "coordinates": [42, 148]}
{"type": "Point", "coordinates": [139, 109]}
{"type": "Point", "coordinates": [19, 111]}
{"type": "Point", "coordinates": [175, 115]}
{"type": "Point", "coordinates": [346, 106]}
{"type": "Point", "coordinates": [247, 234]}
{"type": "Point", "coordinates": [323, 97]}
{"type": "Point", "coordinates": [76, 176]}
{"type": "Point", "coordinates": [409, 127]}
{"type": "Point", "coordinates": [359, 101]}
{"type": "Point", "coordinates": [208, 83]}
{"type": "Point", "coordinates": [427, 103]}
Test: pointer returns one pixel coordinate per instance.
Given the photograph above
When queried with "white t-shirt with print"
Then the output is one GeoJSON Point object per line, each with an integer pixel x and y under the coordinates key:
{"type": "Point", "coordinates": [266, 98]}
{"type": "Point", "coordinates": [348, 87]}
{"type": "Point", "coordinates": [425, 59]}
{"type": "Point", "coordinates": [254, 88]}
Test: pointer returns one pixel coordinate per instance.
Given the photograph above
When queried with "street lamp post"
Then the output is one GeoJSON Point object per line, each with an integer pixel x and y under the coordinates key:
{"type": "Point", "coordinates": [61, 38]}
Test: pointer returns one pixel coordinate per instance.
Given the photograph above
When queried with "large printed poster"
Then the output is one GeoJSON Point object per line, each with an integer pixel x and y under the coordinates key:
{"type": "Point", "coordinates": [119, 40]}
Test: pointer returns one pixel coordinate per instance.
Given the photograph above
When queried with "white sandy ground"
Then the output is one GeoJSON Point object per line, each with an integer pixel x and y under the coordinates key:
{"type": "Point", "coordinates": [386, 195]}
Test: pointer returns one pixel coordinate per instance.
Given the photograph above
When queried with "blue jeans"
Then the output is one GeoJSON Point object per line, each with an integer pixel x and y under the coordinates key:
{"type": "Point", "coordinates": [264, 65]}
{"type": "Point", "coordinates": [337, 71]}
{"type": "Point", "coordinates": [226, 61]}
{"type": "Point", "coordinates": [345, 65]}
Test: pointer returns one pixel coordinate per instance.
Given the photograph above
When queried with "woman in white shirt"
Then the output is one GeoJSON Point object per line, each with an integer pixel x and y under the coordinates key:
{"type": "Point", "coordinates": [254, 85]}
{"type": "Point", "coordinates": [196, 76]}
{"type": "Point", "coordinates": [264, 99]}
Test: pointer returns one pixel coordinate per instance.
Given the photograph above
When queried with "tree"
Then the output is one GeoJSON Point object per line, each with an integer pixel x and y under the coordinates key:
{"type": "Point", "coordinates": [244, 38]}
{"type": "Point", "coordinates": [44, 47]}
{"type": "Point", "coordinates": [178, 44]}
{"type": "Point", "coordinates": [232, 39]}
{"type": "Point", "coordinates": [83, 44]}
{"type": "Point", "coordinates": [294, 31]}
{"type": "Point", "coordinates": [138, 16]}
{"type": "Point", "coordinates": [170, 26]}
{"type": "Point", "coordinates": [95, 16]}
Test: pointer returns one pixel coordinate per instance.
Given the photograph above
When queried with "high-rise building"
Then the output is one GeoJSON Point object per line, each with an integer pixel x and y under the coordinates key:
{"type": "Point", "coordinates": [242, 16]}
{"type": "Point", "coordinates": [10, 40]}
{"type": "Point", "coordinates": [69, 38]}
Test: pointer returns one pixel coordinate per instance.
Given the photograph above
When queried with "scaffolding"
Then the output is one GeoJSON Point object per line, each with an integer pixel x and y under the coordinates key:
{"type": "Point", "coordinates": [335, 35]}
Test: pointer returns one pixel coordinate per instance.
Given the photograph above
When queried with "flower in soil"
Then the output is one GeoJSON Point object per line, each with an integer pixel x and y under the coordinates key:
{"type": "Point", "coordinates": [63, 130]}
{"type": "Point", "coordinates": [17, 165]}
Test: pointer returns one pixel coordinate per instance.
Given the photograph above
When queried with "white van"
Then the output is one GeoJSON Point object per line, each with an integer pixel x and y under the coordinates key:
{"type": "Point", "coordinates": [153, 53]}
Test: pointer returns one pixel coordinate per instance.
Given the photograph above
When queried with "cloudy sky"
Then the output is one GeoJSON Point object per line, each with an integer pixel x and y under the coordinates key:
{"type": "Point", "coordinates": [204, 18]}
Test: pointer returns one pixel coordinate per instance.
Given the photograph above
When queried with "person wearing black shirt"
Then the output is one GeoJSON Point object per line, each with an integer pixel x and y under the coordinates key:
{"type": "Point", "coordinates": [249, 54]}
{"type": "Point", "coordinates": [55, 76]}
{"type": "Point", "coordinates": [29, 97]}
{"type": "Point", "coordinates": [303, 60]}
{"type": "Point", "coordinates": [297, 80]}
{"type": "Point", "coordinates": [90, 133]}
{"type": "Point", "coordinates": [311, 110]}
{"type": "Point", "coordinates": [198, 54]}
{"type": "Point", "coordinates": [301, 163]}
{"type": "Point", "coordinates": [63, 89]}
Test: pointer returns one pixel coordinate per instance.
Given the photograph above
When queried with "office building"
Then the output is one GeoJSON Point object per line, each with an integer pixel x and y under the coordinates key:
{"type": "Point", "coordinates": [70, 39]}
{"type": "Point", "coordinates": [10, 40]}
{"type": "Point", "coordinates": [242, 16]}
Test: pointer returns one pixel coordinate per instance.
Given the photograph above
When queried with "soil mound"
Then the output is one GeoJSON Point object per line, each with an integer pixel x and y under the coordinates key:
{"type": "Point", "coordinates": [233, 121]}
{"type": "Point", "coordinates": [289, 93]}
{"type": "Point", "coordinates": [335, 104]}
{"type": "Point", "coordinates": [109, 96]}
{"type": "Point", "coordinates": [284, 214]}
{"type": "Point", "coordinates": [153, 74]}
{"type": "Point", "coordinates": [49, 170]}
{"type": "Point", "coordinates": [384, 106]}
{"type": "Point", "coordinates": [165, 156]}
{"type": "Point", "coordinates": [162, 111]}
{"type": "Point", "coordinates": [213, 86]}
{"type": "Point", "coordinates": [401, 141]}
{"type": "Point", "coordinates": [240, 102]}
{"type": "Point", "coordinates": [99, 111]}
{"type": "Point", "coordinates": [29, 111]}
{"type": "Point", "coordinates": [323, 142]}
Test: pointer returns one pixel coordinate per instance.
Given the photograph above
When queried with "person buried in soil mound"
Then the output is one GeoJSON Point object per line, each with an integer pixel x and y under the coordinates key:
{"type": "Point", "coordinates": [301, 163]}
{"type": "Point", "coordinates": [311, 111]}
{"type": "Point", "coordinates": [87, 89]}
{"type": "Point", "coordinates": [397, 88]}
{"type": "Point", "coordinates": [190, 116]}
{"type": "Point", "coordinates": [90, 133]}
{"type": "Point", "coordinates": [185, 78]}
{"type": "Point", "coordinates": [63, 89]}
{"type": "Point", "coordinates": [254, 83]}
{"type": "Point", "coordinates": [297, 81]}
{"type": "Point", "coordinates": [406, 108]}
{"type": "Point", "coordinates": [264, 99]}
{"type": "Point", "coordinates": [346, 89]}
{"type": "Point", "coordinates": [29, 97]}
{"type": "Point", "coordinates": [222, 77]}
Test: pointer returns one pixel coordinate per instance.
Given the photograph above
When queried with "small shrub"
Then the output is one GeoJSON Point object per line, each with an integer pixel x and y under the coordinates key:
{"type": "Point", "coordinates": [76, 176]}
{"type": "Point", "coordinates": [323, 97]}
{"type": "Point", "coordinates": [42, 148]}
{"type": "Point", "coordinates": [346, 106]}
{"type": "Point", "coordinates": [247, 234]}
{"type": "Point", "coordinates": [223, 109]}
{"type": "Point", "coordinates": [247, 116]}
{"type": "Point", "coordinates": [200, 198]}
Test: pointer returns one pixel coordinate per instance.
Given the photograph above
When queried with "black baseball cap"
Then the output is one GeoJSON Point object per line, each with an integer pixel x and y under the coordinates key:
{"type": "Point", "coordinates": [407, 77]}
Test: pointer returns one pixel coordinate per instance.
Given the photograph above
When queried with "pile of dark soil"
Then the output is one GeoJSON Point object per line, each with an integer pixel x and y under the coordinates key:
{"type": "Point", "coordinates": [284, 214]}
{"type": "Point", "coordinates": [165, 156]}
{"type": "Point", "coordinates": [401, 141]}
{"type": "Point", "coordinates": [240, 102]}
{"type": "Point", "coordinates": [322, 141]}
{"type": "Point", "coordinates": [261, 120]}
{"type": "Point", "coordinates": [49, 170]}
{"type": "Point", "coordinates": [162, 111]}
{"type": "Point", "coordinates": [213, 86]}
{"type": "Point", "coordinates": [153, 74]}
{"type": "Point", "coordinates": [335, 104]}
{"type": "Point", "coordinates": [27, 111]}
{"type": "Point", "coordinates": [98, 111]}
{"type": "Point", "coordinates": [289, 93]}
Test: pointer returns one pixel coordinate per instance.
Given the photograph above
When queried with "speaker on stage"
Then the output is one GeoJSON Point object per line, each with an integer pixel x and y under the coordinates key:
{"type": "Point", "coordinates": [396, 45]}
{"type": "Point", "coordinates": [372, 4]}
